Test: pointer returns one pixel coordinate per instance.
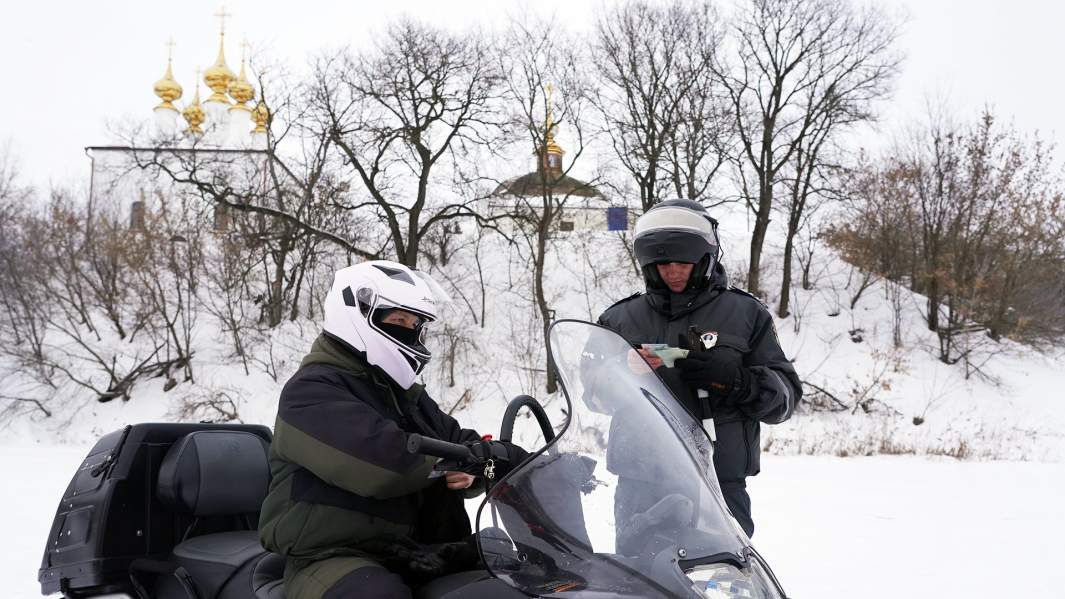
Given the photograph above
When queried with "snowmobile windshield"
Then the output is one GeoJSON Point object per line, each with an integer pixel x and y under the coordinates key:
{"type": "Point", "coordinates": [624, 501]}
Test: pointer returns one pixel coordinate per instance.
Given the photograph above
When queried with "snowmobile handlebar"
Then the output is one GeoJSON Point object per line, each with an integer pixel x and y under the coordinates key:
{"type": "Point", "coordinates": [418, 444]}
{"type": "Point", "coordinates": [506, 432]}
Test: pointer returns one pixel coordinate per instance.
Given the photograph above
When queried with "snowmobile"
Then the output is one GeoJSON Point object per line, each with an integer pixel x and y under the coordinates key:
{"type": "Point", "coordinates": [620, 502]}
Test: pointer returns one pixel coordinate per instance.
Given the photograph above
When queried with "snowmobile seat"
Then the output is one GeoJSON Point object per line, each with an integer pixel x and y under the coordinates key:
{"type": "Point", "coordinates": [218, 476]}
{"type": "Point", "coordinates": [267, 578]}
{"type": "Point", "coordinates": [456, 585]}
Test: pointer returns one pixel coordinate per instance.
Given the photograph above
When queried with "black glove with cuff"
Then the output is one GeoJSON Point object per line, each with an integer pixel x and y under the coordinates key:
{"type": "Point", "coordinates": [505, 457]}
{"type": "Point", "coordinates": [720, 371]}
{"type": "Point", "coordinates": [421, 563]}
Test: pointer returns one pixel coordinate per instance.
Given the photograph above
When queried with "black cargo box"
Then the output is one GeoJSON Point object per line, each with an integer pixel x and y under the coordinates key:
{"type": "Point", "coordinates": [110, 516]}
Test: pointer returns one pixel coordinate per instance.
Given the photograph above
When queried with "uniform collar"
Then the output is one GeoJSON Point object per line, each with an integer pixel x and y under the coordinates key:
{"type": "Point", "coordinates": [675, 305]}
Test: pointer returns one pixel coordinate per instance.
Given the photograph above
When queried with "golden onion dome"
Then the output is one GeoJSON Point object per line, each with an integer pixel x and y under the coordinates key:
{"type": "Point", "coordinates": [241, 90]}
{"type": "Point", "coordinates": [193, 113]}
{"type": "Point", "coordinates": [262, 116]}
{"type": "Point", "coordinates": [219, 76]}
{"type": "Point", "coordinates": [167, 88]}
{"type": "Point", "coordinates": [550, 126]}
{"type": "Point", "coordinates": [550, 145]}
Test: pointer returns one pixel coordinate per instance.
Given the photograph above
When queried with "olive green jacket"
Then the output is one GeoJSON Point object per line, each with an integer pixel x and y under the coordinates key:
{"type": "Point", "coordinates": [341, 476]}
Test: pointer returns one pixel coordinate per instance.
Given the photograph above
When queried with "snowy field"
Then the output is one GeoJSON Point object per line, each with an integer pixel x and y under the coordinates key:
{"type": "Point", "coordinates": [833, 528]}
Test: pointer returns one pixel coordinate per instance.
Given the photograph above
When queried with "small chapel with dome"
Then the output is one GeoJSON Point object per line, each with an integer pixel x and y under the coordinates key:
{"type": "Point", "coordinates": [581, 205]}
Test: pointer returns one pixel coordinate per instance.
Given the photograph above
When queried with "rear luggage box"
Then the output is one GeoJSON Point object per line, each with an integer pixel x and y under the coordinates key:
{"type": "Point", "coordinates": [110, 515]}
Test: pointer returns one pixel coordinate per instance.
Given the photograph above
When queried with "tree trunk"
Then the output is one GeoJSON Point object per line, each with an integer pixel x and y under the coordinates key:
{"type": "Point", "coordinates": [275, 310]}
{"type": "Point", "coordinates": [538, 286]}
{"type": "Point", "coordinates": [785, 283]}
{"type": "Point", "coordinates": [761, 225]}
{"type": "Point", "coordinates": [933, 305]}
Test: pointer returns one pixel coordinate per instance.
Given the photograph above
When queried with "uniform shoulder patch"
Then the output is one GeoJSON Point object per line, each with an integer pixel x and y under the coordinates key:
{"type": "Point", "coordinates": [748, 294]}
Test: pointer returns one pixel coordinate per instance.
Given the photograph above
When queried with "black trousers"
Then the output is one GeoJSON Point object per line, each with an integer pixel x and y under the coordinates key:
{"type": "Point", "coordinates": [739, 503]}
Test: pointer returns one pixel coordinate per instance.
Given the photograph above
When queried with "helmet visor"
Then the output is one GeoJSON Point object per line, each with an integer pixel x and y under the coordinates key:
{"type": "Point", "coordinates": [401, 323]}
{"type": "Point", "coordinates": [663, 246]}
{"type": "Point", "coordinates": [673, 234]}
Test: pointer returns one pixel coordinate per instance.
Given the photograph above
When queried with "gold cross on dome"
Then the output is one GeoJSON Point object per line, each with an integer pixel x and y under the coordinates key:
{"type": "Point", "coordinates": [222, 16]}
{"type": "Point", "coordinates": [170, 48]}
{"type": "Point", "coordinates": [549, 116]}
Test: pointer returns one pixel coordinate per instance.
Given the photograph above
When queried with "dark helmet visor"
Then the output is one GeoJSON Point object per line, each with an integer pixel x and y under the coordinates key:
{"type": "Point", "coordinates": [658, 247]}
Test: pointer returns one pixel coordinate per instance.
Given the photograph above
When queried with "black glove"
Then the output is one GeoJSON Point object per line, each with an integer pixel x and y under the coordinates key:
{"type": "Point", "coordinates": [505, 455]}
{"type": "Point", "coordinates": [720, 371]}
{"type": "Point", "coordinates": [418, 562]}
{"type": "Point", "coordinates": [459, 555]}
{"type": "Point", "coordinates": [408, 558]}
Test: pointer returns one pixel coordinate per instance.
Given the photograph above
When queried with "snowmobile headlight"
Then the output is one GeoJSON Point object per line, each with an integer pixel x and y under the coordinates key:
{"type": "Point", "coordinates": [724, 581]}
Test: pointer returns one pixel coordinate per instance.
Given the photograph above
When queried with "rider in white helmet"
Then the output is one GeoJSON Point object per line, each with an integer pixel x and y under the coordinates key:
{"type": "Point", "coordinates": [383, 309]}
{"type": "Point", "coordinates": [354, 512]}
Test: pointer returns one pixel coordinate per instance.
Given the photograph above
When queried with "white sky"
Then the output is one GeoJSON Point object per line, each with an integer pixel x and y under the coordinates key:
{"type": "Point", "coordinates": [68, 67]}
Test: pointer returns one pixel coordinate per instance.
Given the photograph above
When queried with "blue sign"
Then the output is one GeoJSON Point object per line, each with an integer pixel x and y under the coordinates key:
{"type": "Point", "coordinates": [617, 219]}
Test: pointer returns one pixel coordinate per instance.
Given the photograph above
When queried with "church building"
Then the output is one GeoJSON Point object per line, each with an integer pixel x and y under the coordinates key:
{"type": "Point", "coordinates": [226, 132]}
{"type": "Point", "coordinates": [584, 207]}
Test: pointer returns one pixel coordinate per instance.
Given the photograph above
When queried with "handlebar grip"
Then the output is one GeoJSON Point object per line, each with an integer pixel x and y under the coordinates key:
{"type": "Point", "coordinates": [418, 444]}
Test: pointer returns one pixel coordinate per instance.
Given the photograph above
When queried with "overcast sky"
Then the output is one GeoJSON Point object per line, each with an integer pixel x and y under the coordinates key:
{"type": "Point", "coordinates": [68, 67]}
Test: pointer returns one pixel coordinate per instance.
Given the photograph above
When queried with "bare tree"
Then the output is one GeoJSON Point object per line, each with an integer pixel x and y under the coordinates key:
{"type": "Point", "coordinates": [545, 85]}
{"type": "Point", "coordinates": [402, 118]}
{"type": "Point", "coordinates": [803, 70]}
{"type": "Point", "coordinates": [970, 217]}
{"type": "Point", "coordinates": [75, 304]}
{"type": "Point", "coordinates": [657, 97]}
{"type": "Point", "coordinates": [279, 201]}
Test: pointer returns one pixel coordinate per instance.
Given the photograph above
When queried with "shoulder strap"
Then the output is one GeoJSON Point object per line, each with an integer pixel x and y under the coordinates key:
{"type": "Point", "coordinates": [748, 294]}
{"type": "Point", "coordinates": [622, 301]}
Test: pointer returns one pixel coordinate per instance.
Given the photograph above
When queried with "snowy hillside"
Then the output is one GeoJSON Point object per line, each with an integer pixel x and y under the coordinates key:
{"type": "Point", "coordinates": [859, 515]}
{"type": "Point", "coordinates": [846, 352]}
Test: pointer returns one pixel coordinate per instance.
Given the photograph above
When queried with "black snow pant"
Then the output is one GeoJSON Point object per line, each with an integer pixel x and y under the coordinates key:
{"type": "Point", "coordinates": [343, 578]}
{"type": "Point", "coordinates": [739, 503]}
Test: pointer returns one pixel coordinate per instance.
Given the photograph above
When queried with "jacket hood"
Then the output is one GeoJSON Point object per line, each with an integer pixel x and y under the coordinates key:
{"type": "Point", "coordinates": [327, 350]}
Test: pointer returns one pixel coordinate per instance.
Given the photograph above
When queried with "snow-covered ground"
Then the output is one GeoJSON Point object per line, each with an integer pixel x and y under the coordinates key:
{"type": "Point", "coordinates": [884, 527]}
{"type": "Point", "coordinates": [898, 527]}
{"type": "Point", "coordinates": [37, 476]}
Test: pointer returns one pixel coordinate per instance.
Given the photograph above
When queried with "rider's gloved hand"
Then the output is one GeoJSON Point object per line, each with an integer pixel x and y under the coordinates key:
{"type": "Point", "coordinates": [419, 562]}
{"type": "Point", "coordinates": [459, 555]}
{"type": "Point", "coordinates": [504, 454]}
{"type": "Point", "coordinates": [406, 557]}
{"type": "Point", "coordinates": [720, 371]}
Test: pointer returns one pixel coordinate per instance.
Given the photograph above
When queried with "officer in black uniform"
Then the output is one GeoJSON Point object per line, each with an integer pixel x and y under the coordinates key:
{"type": "Point", "coordinates": [736, 372]}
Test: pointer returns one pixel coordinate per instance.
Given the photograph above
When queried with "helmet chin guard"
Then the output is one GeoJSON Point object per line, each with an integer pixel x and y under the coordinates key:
{"type": "Point", "coordinates": [362, 295]}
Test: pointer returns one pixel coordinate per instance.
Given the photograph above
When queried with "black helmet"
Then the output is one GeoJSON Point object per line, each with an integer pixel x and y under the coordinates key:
{"type": "Point", "coordinates": [676, 231]}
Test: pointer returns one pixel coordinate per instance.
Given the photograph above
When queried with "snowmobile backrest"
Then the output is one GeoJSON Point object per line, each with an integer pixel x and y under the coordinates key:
{"type": "Point", "coordinates": [215, 473]}
{"type": "Point", "coordinates": [111, 512]}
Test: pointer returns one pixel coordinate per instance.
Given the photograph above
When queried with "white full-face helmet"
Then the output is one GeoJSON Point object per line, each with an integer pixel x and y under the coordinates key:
{"type": "Point", "coordinates": [363, 294]}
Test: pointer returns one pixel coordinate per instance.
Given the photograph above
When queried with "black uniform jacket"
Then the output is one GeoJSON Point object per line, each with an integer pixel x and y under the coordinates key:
{"type": "Point", "coordinates": [742, 322]}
